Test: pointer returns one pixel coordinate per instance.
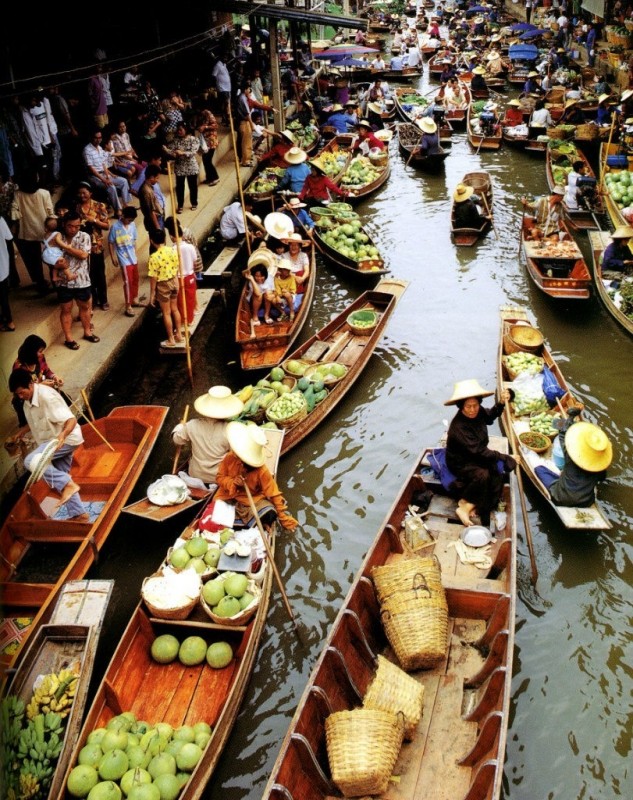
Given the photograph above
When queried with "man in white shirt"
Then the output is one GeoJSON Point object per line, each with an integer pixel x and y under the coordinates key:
{"type": "Point", "coordinates": [232, 220]}
{"type": "Point", "coordinates": [97, 163]}
{"type": "Point", "coordinates": [41, 135]}
{"type": "Point", "coordinates": [48, 417]}
{"type": "Point", "coordinates": [223, 85]}
{"type": "Point", "coordinates": [414, 58]}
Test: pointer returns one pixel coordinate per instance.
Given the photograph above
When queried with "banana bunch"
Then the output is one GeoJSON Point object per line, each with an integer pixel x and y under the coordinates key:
{"type": "Point", "coordinates": [55, 693]}
{"type": "Point", "coordinates": [245, 394]}
{"type": "Point", "coordinates": [38, 749]}
{"type": "Point", "coordinates": [28, 786]}
{"type": "Point", "coordinates": [11, 717]}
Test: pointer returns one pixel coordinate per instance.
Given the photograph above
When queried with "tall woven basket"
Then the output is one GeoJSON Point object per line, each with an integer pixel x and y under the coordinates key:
{"type": "Point", "coordinates": [363, 747]}
{"type": "Point", "coordinates": [393, 690]}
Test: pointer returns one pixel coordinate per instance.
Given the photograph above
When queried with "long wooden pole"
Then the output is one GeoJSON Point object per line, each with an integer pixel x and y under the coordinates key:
{"type": "Point", "coordinates": [489, 212]}
{"type": "Point", "coordinates": [606, 154]}
{"type": "Point", "coordinates": [526, 521]}
{"type": "Point", "coordinates": [240, 190]}
{"type": "Point", "coordinates": [90, 418]}
{"type": "Point", "coordinates": [179, 447]}
{"type": "Point", "coordinates": [271, 557]}
{"type": "Point", "coordinates": [181, 279]}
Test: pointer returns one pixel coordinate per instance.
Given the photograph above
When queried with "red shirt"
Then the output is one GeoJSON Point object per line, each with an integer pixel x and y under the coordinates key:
{"type": "Point", "coordinates": [514, 116]}
{"type": "Point", "coordinates": [275, 156]}
{"type": "Point", "coordinates": [371, 140]}
{"type": "Point", "coordinates": [316, 188]}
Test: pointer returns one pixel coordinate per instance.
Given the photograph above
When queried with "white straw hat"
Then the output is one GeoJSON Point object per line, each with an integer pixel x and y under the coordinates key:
{"type": "Point", "coordinates": [248, 442]}
{"type": "Point", "coordinates": [219, 403]}
{"type": "Point", "coordinates": [278, 225]}
{"type": "Point", "coordinates": [465, 389]}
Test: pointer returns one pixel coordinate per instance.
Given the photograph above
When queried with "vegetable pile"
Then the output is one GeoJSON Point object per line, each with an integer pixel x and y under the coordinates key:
{"type": "Point", "coordinates": [544, 423]}
{"type": "Point", "coordinates": [523, 362]}
{"type": "Point", "coordinates": [266, 182]}
{"type": "Point", "coordinates": [350, 240]}
{"type": "Point", "coordinates": [535, 441]}
{"type": "Point", "coordinates": [620, 188]}
{"type": "Point", "coordinates": [360, 173]}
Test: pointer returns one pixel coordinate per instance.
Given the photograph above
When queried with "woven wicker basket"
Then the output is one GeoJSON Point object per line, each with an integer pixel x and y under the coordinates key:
{"type": "Point", "coordinates": [175, 613]}
{"type": "Point", "coordinates": [537, 449]}
{"type": "Point", "coordinates": [302, 413]}
{"type": "Point", "coordinates": [363, 747]}
{"type": "Point", "coordinates": [522, 338]}
{"type": "Point", "coordinates": [244, 616]}
{"type": "Point", "coordinates": [393, 690]}
{"type": "Point", "coordinates": [587, 132]}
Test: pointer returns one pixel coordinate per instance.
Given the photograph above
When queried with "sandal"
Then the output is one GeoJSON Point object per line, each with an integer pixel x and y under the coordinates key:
{"type": "Point", "coordinates": [91, 338]}
{"type": "Point", "coordinates": [128, 312]}
{"type": "Point", "coordinates": [71, 345]}
{"type": "Point", "coordinates": [193, 208]}
{"type": "Point", "coordinates": [179, 211]}
{"type": "Point", "coordinates": [268, 321]}
{"type": "Point", "coordinates": [8, 328]}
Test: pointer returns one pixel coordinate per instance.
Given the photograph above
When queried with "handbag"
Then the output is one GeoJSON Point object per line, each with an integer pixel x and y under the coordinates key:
{"type": "Point", "coordinates": [204, 147]}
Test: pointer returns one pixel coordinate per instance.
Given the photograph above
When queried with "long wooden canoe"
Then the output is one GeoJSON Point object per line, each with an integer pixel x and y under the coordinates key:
{"type": "Point", "coordinates": [106, 474]}
{"type": "Point", "coordinates": [458, 748]}
{"type": "Point", "coordinates": [178, 694]}
{"type": "Point", "coordinates": [580, 219]}
{"type": "Point", "coordinates": [479, 140]}
{"type": "Point", "coordinates": [419, 101]}
{"type": "Point", "coordinates": [608, 284]}
{"type": "Point", "coordinates": [591, 518]}
{"type": "Point", "coordinates": [613, 209]}
{"type": "Point", "coordinates": [558, 268]}
{"type": "Point", "coordinates": [68, 641]}
{"type": "Point", "coordinates": [481, 183]}
{"type": "Point", "coordinates": [456, 116]}
{"type": "Point", "coordinates": [409, 136]}
{"type": "Point", "coordinates": [360, 192]}
{"type": "Point", "coordinates": [368, 268]}
{"type": "Point", "coordinates": [338, 342]}
{"type": "Point", "coordinates": [264, 346]}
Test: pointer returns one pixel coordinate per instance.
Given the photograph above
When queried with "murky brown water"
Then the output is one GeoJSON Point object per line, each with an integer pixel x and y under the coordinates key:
{"type": "Point", "coordinates": [571, 729]}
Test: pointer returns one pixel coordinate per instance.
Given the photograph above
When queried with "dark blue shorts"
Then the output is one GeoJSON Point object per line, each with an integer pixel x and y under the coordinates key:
{"type": "Point", "coordinates": [66, 294]}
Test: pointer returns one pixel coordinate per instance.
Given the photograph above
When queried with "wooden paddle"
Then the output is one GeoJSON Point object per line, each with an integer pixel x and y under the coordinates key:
{"type": "Point", "coordinates": [271, 558]}
{"type": "Point", "coordinates": [179, 447]}
{"type": "Point", "coordinates": [488, 211]}
{"type": "Point", "coordinates": [413, 151]}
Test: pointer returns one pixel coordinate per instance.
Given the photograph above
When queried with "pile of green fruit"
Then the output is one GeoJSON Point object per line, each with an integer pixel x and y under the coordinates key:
{"type": "Point", "coordinates": [349, 239]}
{"type": "Point", "coordinates": [365, 319]}
{"type": "Point", "coordinates": [620, 188]}
{"type": "Point", "coordinates": [286, 407]}
{"type": "Point", "coordinates": [304, 137]}
{"type": "Point", "coordinates": [295, 366]}
{"type": "Point", "coordinates": [196, 554]}
{"type": "Point", "coordinates": [191, 651]}
{"type": "Point", "coordinates": [328, 372]}
{"type": "Point", "coordinates": [361, 172]}
{"type": "Point", "coordinates": [229, 594]}
{"type": "Point", "coordinates": [332, 163]}
{"type": "Point", "coordinates": [138, 760]}
{"type": "Point", "coordinates": [266, 182]}
{"type": "Point", "coordinates": [544, 423]}
{"type": "Point", "coordinates": [524, 362]}
{"type": "Point", "coordinates": [414, 99]}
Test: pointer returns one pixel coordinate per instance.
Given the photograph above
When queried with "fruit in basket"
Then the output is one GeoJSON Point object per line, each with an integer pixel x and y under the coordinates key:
{"type": "Point", "coordinates": [286, 406]}
{"type": "Point", "coordinates": [277, 374]}
{"type": "Point", "coordinates": [219, 655]}
{"type": "Point", "coordinates": [213, 592]}
{"type": "Point", "coordinates": [105, 790]}
{"type": "Point", "coordinates": [113, 765]}
{"type": "Point", "coordinates": [144, 791]}
{"type": "Point", "coordinates": [225, 535]}
{"type": "Point", "coordinates": [198, 564]}
{"type": "Point", "coordinates": [134, 777]}
{"type": "Point", "coordinates": [165, 648]}
{"type": "Point", "coordinates": [197, 546]}
{"type": "Point", "coordinates": [188, 757]}
{"type": "Point", "coordinates": [246, 599]}
{"type": "Point", "coordinates": [360, 172]}
{"type": "Point", "coordinates": [81, 780]}
{"type": "Point", "coordinates": [235, 585]}
{"type": "Point", "coordinates": [212, 556]}
{"type": "Point", "coordinates": [168, 786]}
{"type": "Point", "coordinates": [227, 607]}
{"type": "Point", "coordinates": [192, 651]}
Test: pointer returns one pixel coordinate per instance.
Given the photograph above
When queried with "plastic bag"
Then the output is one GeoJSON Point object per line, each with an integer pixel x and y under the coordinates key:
{"type": "Point", "coordinates": [551, 388]}
{"type": "Point", "coordinates": [170, 490]}
{"type": "Point", "coordinates": [528, 394]}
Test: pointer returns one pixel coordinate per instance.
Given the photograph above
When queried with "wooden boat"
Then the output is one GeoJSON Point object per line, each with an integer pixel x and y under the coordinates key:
{"type": "Point", "coordinates": [404, 75]}
{"type": "Point", "coordinates": [360, 192]}
{"type": "Point", "coordinates": [106, 474]}
{"type": "Point", "coordinates": [438, 61]}
{"type": "Point", "coordinates": [456, 116]}
{"type": "Point", "coordinates": [378, 27]}
{"type": "Point", "coordinates": [263, 184]}
{"type": "Point", "coordinates": [368, 267]}
{"type": "Point", "coordinates": [458, 748]}
{"type": "Point", "coordinates": [264, 346]}
{"type": "Point", "coordinates": [557, 267]}
{"type": "Point", "coordinates": [580, 219]}
{"type": "Point", "coordinates": [608, 283]}
{"type": "Point", "coordinates": [481, 141]}
{"type": "Point", "coordinates": [419, 103]}
{"type": "Point", "coordinates": [68, 641]}
{"type": "Point", "coordinates": [409, 136]}
{"type": "Point", "coordinates": [476, 94]}
{"type": "Point", "coordinates": [607, 151]}
{"type": "Point", "coordinates": [337, 150]}
{"type": "Point", "coordinates": [591, 518]}
{"type": "Point", "coordinates": [338, 342]}
{"type": "Point", "coordinates": [178, 694]}
{"type": "Point", "coordinates": [523, 142]}
{"type": "Point", "coordinates": [204, 296]}
{"type": "Point", "coordinates": [481, 183]}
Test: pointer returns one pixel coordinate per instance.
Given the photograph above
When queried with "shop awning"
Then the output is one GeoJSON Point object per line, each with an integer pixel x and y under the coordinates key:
{"type": "Point", "coordinates": [288, 14]}
{"type": "Point", "coordinates": [595, 7]}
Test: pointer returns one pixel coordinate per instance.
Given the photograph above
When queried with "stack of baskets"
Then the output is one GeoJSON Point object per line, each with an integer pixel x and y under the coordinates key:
{"type": "Point", "coordinates": [522, 338]}
{"type": "Point", "coordinates": [414, 611]}
{"type": "Point", "coordinates": [588, 131]}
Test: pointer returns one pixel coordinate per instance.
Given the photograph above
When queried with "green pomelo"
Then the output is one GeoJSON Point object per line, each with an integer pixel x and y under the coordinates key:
{"type": "Point", "coordinates": [137, 757]}
{"type": "Point", "coordinates": [119, 723]}
{"type": "Point", "coordinates": [198, 564]}
{"type": "Point", "coordinates": [95, 736]}
{"type": "Point", "coordinates": [338, 370]}
{"type": "Point", "coordinates": [173, 747]}
{"type": "Point", "coordinates": [114, 740]}
{"type": "Point", "coordinates": [246, 599]}
{"type": "Point", "coordinates": [168, 786]}
{"type": "Point", "coordinates": [145, 791]}
{"type": "Point", "coordinates": [132, 739]}
{"type": "Point", "coordinates": [227, 607]}
{"type": "Point", "coordinates": [134, 777]}
{"type": "Point", "coordinates": [219, 655]}
{"type": "Point", "coordinates": [235, 585]}
{"type": "Point", "coordinates": [91, 754]}
{"type": "Point", "coordinates": [197, 546]}
{"type": "Point", "coordinates": [113, 765]}
{"type": "Point", "coordinates": [277, 374]}
{"type": "Point", "coordinates": [165, 648]}
{"type": "Point", "coordinates": [165, 729]}
{"type": "Point", "coordinates": [201, 727]}
{"type": "Point", "coordinates": [183, 778]}
{"type": "Point", "coordinates": [202, 740]}
{"type": "Point", "coordinates": [179, 558]}
{"type": "Point", "coordinates": [225, 535]}
{"type": "Point", "coordinates": [212, 556]}
{"type": "Point", "coordinates": [192, 651]}
{"type": "Point", "coordinates": [105, 790]}
{"type": "Point", "coordinates": [81, 780]}
{"type": "Point", "coordinates": [185, 734]}
{"type": "Point", "coordinates": [188, 757]}
{"type": "Point", "coordinates": [161, 764]}
{"type": "Point", "coordinates": [213, 591]}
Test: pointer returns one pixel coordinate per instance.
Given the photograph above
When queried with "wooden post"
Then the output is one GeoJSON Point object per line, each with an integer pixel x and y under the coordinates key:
{"type": "Point", "coordinates": [278, 99]}
{"type": "Point", "coordinates": [239, 181]}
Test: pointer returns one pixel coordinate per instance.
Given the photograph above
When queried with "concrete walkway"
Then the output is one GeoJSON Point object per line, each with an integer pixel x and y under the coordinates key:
{"type": "Point", "coordinates": [88, 366]}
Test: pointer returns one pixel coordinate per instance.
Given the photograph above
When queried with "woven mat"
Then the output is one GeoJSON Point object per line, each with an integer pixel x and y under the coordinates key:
{"type": "Point", "coordinates": [12, 631]}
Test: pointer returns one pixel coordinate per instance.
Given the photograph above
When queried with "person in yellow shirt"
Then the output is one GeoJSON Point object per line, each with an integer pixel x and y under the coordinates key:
{"type": "Point", "coordinates": [285, 288]}
{"type": "Point", "coordinates": [162, 269]}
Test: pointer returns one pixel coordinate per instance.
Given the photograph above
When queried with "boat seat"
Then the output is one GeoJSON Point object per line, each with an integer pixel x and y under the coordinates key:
{"type": "Point", "coordinates": [487, 735]}
{"type": "Point", "coordinates": [487, 700]}
{"type": "Point", "coordinates": [496, 658]}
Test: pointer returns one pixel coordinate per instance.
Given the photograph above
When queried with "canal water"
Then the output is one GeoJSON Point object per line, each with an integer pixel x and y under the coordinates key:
{"type": "Point", "coordinates": [572, 721]}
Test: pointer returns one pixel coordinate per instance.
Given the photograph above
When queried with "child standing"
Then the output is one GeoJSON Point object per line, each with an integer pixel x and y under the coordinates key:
{"type": "Point", "coordinates": [285, 288]}
{"type": "Point", "coordinates": [162, 270]}
{"type": "Point", "coordinates": [122, 243]}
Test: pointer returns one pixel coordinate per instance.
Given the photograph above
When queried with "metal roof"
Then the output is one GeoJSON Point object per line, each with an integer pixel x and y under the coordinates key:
{"type": "Point", "coordinates": [273, 11]}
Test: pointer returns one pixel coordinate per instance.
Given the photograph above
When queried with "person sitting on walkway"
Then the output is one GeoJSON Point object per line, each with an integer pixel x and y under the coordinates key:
{"type": "Point", "coordinates": [48, 418]}
{"type": "Point", "coordinates": [31, 358]}
{"type": "Point", "coordinates": [232, 225]}
{"type": "Point", "coordinates": [207, 436]}
{"type": "Point", "coordinates": [99, 175]}
{"type": "Point", "coordinates": [244, 466]}
{"type": "Point", "coordinates": [162, 270]}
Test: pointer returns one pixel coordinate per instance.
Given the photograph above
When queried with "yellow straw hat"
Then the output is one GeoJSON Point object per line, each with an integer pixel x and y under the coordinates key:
{"type": "Point", "coordinates": [623, 232]}
{"type": "Point", "coordinates": [479, 71]}
{"type": "Point", "coordinates": [588, 446]}
{"type": "Point", "coordinates": [261, 256]}
{"type": "Point", "coordinates": [469, 388]}
{"type": "Point", "coordinates": [462, 192]}
{"type": "Point", "coordinates": [295, 155]}
{"type": "Point", "coordinates": [219, 403]}
{"type": "Point", "coordinates": [248, 442]}
{"type": "Point", "coordinates": [515, 103]}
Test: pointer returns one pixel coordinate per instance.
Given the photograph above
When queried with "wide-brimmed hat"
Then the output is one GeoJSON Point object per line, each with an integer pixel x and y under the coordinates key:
{"type": "Point", "coordinates": [588, 446]}
{"type": "Point", "coordinates": [318, 165]}
{"type": "Point", "coordinates": [626, 94]}
{"type": "Point", "coordinates": [426, 124]}
{"type": "Point", "coordinates": [296, 237]}
{"type": "Point", "coordinates": [294, 202]}
{"type": "Point", "coordinates": [496, 37]}
{"type": "Point", "coordinates": [289, 135]}
{"type": "Point", "coordinates": [561, 50]}
{"type": "Point", "coordinates": [478, 20]}
{"type": "Point", "coordinates": [286, 264]}
{"type": "Point", "coordinates": [516, 103]}
{"type": "Point", "coordinates": [351, 103]}
{"type": "Point", "coordinates": [571, 102]}
{"type": "Point", "coordinates": [375, 107]}
{"type": "Point", "coordinates": [492, 55]}
{"type": "Point", "coordinates": [295, 155]}
{"type": "Point", "coordinates": [363, 124]}
{"type": "Point", "coordinates": [465, 389]}
{"type": "Point", "coordinates": [248, 442]}
{"type": "Point", "coordinates": [462, 192]}
{"type": "Point", "coordinates": [337, 107]}
{"type": "Point", "coordinates": [218, 403]}
{"type": "Point", "coordinates": [623, 232]}
{"type": "Point", "coordinates": [479, 71]}
{"type": "Point", "coordinates": [603, 97]}
{"type": "Point", "coordinates": [558, 190]}
{"type": "Point", "coordinates": [278, 225]}
{"type": "Point", "coordinates": [261, 257]}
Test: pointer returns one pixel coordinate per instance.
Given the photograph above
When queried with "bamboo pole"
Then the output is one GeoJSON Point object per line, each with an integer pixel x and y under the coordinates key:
{"type": "Point", "coordinates": [179, 447]}
{"type": "Point", "coordinates": [91, 418]}
{"type": "Point", "coordinates": [606, 154]}
{"type": "Point", "coordinates": [181, 279]}
{"type": "Point", "coordinates": [240, 190]}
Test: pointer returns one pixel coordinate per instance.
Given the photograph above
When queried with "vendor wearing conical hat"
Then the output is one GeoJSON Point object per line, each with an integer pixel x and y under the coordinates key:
{"type": "Point", "coordinates": [429, 144]}
{"type": "Point", "coordinates": [588, 452]}
{"type": "Point", "coordinates": [297, 170]}
{"type": "Point", "coordinates": [206, 435]}
{"type": "Point", "coordinates": [479, 471]}
{"type": "Point", "coordinates": [617, 255]}
{"type": "Point", "coordinates": [466, 211]}
{"type": "Point", "coordinates": [365, 139]}
{"type": "Point", "coordinates": [245, 464]}
{"type": "Point", "coordinates": [275, 156]}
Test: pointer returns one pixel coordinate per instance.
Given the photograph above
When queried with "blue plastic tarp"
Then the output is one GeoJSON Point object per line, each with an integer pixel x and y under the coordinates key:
{"type": "Point", "coordinates": [522, 26]}
{"type": "Point", "coordinates": [532, 34]}
{"type": "Point", "coordinates": [523, 52]}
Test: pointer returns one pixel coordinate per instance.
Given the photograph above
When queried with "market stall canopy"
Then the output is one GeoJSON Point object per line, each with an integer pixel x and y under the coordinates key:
{"type": "Point", "coordinates": [522, 26]}
{"type": "Point", "coordinates": [347, 61]}
{"type": "Point", "coordinates": [595, 7]}
{"type": "Point", "coordinates": [532, 34]}
{"type": "Point", "coordinates": [523, 52]}
{"type": "Point", "coordinates": [341, 51]}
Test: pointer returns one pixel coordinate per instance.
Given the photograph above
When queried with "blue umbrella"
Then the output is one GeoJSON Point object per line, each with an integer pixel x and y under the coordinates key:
{"type": "Point", "coordinates": [483, 9]}
{"type": "Point", "coordinates": [532, 34]}
{"type": "Point", "coordinates": [522, 26]}
{"type": "Point", "coordinates": [349, 62]}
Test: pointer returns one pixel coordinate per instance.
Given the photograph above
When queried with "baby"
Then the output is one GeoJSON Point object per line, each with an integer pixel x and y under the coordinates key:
{"type": "Point", "coordinates": [52, 254]}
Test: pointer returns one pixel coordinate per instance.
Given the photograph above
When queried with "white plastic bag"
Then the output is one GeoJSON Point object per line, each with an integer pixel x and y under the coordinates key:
{"type": "Point", "coordinates": [528, 394]}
